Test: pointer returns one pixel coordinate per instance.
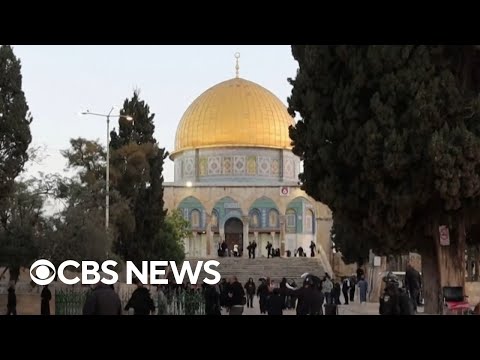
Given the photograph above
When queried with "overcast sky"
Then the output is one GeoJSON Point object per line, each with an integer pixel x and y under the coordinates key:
{"type": "Point", "coordinates": [61, 81]}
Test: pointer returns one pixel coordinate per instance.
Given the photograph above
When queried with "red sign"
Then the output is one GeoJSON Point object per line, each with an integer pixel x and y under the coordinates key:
{"type": "Point", "coordinates": [284, 191]}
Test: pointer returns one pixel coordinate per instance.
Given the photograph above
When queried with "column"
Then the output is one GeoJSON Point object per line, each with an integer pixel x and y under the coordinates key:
{"type": "Point", "coordinates": [246, 223]}
{"type": "Point", "coordinates": [194, 248]}
{"type": "Point", "coordinates": [186, 241]}
{"type": "Point", "coordinates": [259, 246]}
{"type": "Point", "coordinates": [208, 231]}
{"type": "Point", "coordinates": [282, 235]}
{"type": "Point", "coordinates": [221, 231]}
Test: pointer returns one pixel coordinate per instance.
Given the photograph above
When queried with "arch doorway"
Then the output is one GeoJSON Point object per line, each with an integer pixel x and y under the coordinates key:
{"type": "Point", "coordinates": [234, 234]}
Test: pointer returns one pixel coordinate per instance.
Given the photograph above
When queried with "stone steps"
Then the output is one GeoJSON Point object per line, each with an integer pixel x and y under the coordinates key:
{"type": "Point", "coordinates": [276, 268]}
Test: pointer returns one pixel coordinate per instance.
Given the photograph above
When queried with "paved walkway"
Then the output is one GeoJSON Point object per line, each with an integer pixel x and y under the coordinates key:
{"type": "Point", "coordinates": [351, 309]}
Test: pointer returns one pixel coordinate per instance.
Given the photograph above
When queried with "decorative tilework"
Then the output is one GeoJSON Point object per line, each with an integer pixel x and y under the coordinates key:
{"type": "Point", "coordinates": [252, 165]}
{"type": "Point", "coordinates": [289, 171]}
{"type": "Point", "coordinates": [203, 166]}
{"type": "Point", "coordinates": [188, 167]}
{"type": "Point", "coordinates": [214, 165]}
{"type": "Point", "coordinates": [275, 167]}
{"type": "Point", "coordinates": [264, 165]}
{"type": "Point", "coordinates": [264, 217]}
{"type": "Point", "coordinates": [178, 169]}
{"type": "Point", "coordinates": [239, 165]}
{"type": "Point", "coordinates": [227, 165]}
{"type": "Point", "coordinates": [240, 162]}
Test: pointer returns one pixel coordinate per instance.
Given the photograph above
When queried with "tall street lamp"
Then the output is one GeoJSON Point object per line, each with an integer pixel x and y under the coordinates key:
{"type": "Point", "coordinates": [107, 186]}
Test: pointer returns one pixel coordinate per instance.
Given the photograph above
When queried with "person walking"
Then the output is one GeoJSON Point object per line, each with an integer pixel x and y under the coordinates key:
{"type": "Point", "coordinates": [102, 301]}
{"type": "Point", "coordinates": [140, 301]}
{"type": "Point", "coordinates": [12, 300]}
{"type": "Point", "coordinates": [250, 290]}
{"type": "Point", "coordinates": [363, 287]}
{"type": "Point", "coordinates": [46, 296]}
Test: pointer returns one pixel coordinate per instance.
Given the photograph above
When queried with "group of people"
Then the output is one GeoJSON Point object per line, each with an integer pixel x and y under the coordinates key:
{"type": "Point", "coordinates": [273, 300]}
{"type": "Point", "coordinates": [302, 253]}
{"type": "Point", "coordinates": [103, 300]}
{"type": "Point", "coordinates": [271, 251]}
{"type": "Point", "coordinates": [224, 251]}
{"type": "Point", "coordinates": [227, 294]}
{"type": "Point", "coordinates": [45, 297]}
{"type": "Point", "coordinates": [397, 300]}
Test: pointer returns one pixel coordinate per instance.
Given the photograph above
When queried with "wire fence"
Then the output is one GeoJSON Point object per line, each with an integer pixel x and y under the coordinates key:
{"type": "Point", "coordinates": [171, 301]}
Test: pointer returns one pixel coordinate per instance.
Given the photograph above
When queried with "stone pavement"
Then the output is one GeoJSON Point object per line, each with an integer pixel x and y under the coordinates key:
{"type": "Point", "coordinates": [351, 309]}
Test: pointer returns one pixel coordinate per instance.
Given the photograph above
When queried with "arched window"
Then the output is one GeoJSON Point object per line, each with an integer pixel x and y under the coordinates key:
{"type": "Point", "coordinates": [195, 218]}
{"type": "Point", "coordinates": [291, 220]}
{"type": "Point", "coordinates": [273, 218]}
{"type": "Point", "coordinates": [309, 222]}
{"type": "Point", "coordinates": [254, 219]}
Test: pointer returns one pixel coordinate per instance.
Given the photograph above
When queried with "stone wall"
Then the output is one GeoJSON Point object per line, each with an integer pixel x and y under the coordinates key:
{"type": "Point", "coordinates": [340, 269]}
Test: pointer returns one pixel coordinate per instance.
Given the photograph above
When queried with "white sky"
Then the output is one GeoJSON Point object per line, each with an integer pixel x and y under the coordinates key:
{"type": "Point", "coordinates": [61, 81]}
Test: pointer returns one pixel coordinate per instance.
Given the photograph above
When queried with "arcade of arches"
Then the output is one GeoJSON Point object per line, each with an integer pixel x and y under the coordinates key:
{"type": "Point", "coordinates": [236, 177]}
{"type": "Point", "coordinates": [215, 216]}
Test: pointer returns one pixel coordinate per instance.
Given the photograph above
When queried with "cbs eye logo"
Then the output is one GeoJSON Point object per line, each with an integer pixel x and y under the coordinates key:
{"type": "Point", "coordinates": [42, 272]}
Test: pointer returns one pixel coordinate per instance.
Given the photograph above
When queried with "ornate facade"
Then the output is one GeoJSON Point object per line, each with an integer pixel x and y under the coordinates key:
{"type": "Point", "coordinates": [236, 178]}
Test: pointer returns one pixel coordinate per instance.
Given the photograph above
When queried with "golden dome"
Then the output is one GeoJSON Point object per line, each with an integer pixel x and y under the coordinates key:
{"type": "Point", "coordinates": [234, 113]}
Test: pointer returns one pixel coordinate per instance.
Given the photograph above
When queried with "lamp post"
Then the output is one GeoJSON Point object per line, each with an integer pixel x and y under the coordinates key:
{"type": "Point", "coordinates": [107, 186]}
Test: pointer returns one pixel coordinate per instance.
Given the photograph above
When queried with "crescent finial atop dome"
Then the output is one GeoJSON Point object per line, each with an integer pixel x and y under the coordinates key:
{"type": "Point", "coordinates": [237, 67]}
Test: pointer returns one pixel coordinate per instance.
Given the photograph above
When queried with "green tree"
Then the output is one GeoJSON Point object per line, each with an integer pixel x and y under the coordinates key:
{"type": "Point", "coordinates": [354, 245]}
{"type": "Point", "coordinates": [389, 136]}
{"type": "Point", "coordinates": [178, 229]}
{"type": "Point", "coordinates": [21, 226]}
{"type": "Point", "coordinates": [88, 158]}
{"type": "Point", "coordinates": [15, 122]}
{"type": "Point", "coordinates": [78, 232]}
{"type": "Point", "coordinates": [137, 166]}
{"type": "Point", "coordinates": [140, 130]}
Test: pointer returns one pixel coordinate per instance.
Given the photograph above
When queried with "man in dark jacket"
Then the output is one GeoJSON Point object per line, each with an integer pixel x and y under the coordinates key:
{"type": "Point", "coordinates": [275, 303]}
{"type": "Point", "coordinates": [235, 295]}
{"type": "Point", "coordinates": [310, 297]}
{"type": "Point", "coordinates": [413, 283]}
{"type": "Point", "coordinates": [250, 289]}
{"type": "Point", "coordinates": [263, 293]}
{"type": "Point", "coordinates": [46, 296]}
{"type": "Point", "coordinates": [140, 301]}
{"type": "Point", "coordinates": [212, 300]}
{"type": "Point", "coordinates": [312, 249]}
{"type": "Point", "coordinates": [345, 289]}
{"type": "Point", "coordinates": [353, 282]}
{"type": "Point", "coordinates": [12, 301]}
{"type": "Point", "coordinates": [269, 249]}
{"type": "Point", "coordinates": [394, 301]}
{"type": "Point", "coordinates": [336, 291]}
{"type": "Point", "coordinates": [102, 301]}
